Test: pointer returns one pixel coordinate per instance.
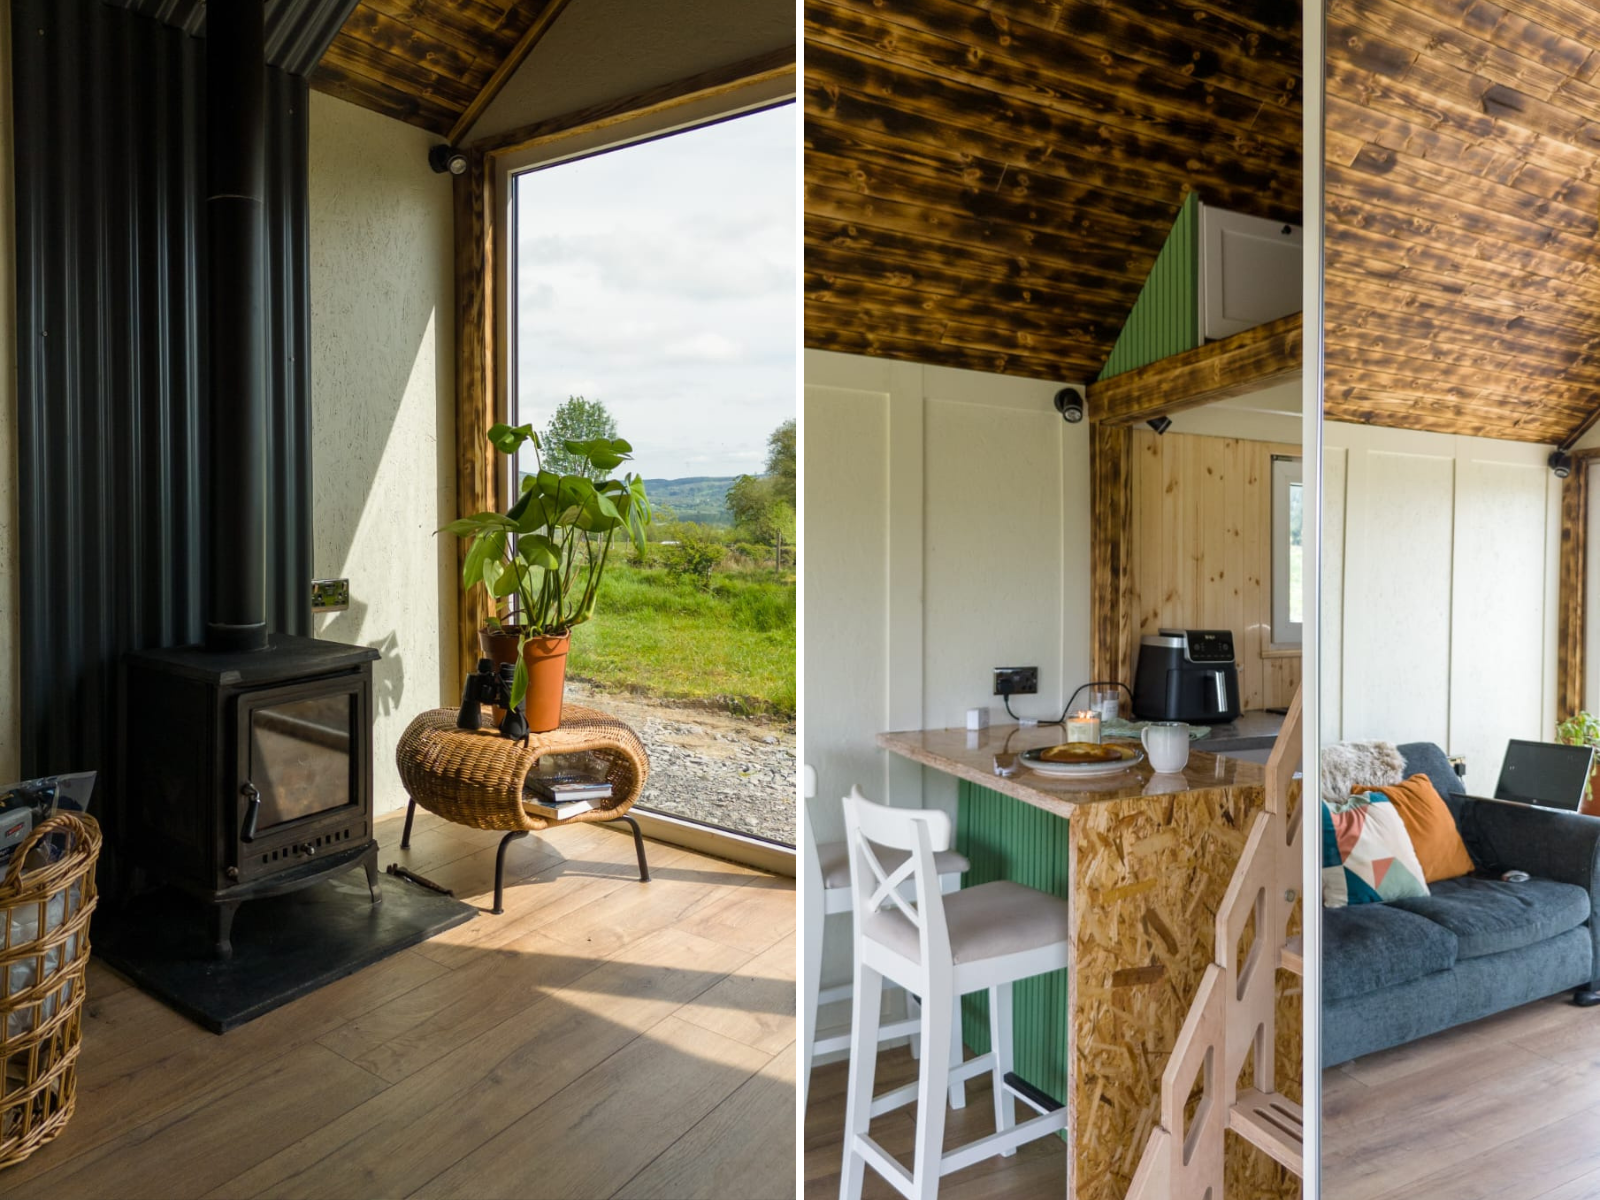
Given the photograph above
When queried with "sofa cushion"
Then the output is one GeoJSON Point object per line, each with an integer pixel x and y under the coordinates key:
{"type": "Point", "coordinates": [1427, 759]}
{"type": "Point", "coordinates": [1488, 916]}
{"type": "Point", "coordinates": [1432, 829]}
{"type": "Point", "coordinates": [1366, 853]}
{"type": "Point", "coordinates": [1368, 947]}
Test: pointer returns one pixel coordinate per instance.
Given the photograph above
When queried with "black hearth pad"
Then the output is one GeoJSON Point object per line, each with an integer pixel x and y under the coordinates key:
{"type": "Point", "coordinates": [284, 947]}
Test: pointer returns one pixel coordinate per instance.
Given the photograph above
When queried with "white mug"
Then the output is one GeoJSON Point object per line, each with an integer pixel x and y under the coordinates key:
{"type": "Point", "coordinates": [1167, 744]}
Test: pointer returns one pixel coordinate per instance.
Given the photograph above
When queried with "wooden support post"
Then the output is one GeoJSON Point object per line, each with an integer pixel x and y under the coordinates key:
{"type": "Point", "coordinates": [1110, 508]}
{"type": "Point", "coordinates": [1571, 611]}
{"type": "Point", "coordinates": [477, 405]}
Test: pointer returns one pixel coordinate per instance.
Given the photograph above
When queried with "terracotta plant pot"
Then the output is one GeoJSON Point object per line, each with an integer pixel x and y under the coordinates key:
{"type": "Point", "coordinates": [546, 659]}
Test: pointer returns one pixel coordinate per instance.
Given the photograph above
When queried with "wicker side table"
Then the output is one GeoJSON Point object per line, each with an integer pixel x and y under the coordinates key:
{"type": "Point", "coordinates": [474, 777]}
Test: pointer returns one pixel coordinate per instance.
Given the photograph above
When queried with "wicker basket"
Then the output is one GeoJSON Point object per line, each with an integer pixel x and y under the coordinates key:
{"type": "Point", "coordinates": [43, 960]}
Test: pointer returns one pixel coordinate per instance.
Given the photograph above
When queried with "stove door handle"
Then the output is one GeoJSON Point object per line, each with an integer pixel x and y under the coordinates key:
{"type": "Point", "coordinates": [252, 810]}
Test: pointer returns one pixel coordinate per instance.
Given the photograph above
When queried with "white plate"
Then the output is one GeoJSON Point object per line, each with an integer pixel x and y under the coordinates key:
{"type": "Point", "coordinates": [1031, 760]}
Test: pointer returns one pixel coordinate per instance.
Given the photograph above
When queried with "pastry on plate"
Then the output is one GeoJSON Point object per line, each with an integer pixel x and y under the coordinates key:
{"type": "Point", "coordinates": [1081, 752]}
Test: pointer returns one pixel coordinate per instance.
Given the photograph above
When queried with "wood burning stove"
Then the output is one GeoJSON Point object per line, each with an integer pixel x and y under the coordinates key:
{"type": "Point", "coordinates": [246, 762]}
{"type": "Point", "coordinates": [249, 773]}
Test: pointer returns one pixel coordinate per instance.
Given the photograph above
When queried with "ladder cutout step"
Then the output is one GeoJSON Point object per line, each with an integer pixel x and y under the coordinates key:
{"type": "Point", "coordinates": [1293, 957]}
{"type": "Point", "coordinates": [1272, 1123]}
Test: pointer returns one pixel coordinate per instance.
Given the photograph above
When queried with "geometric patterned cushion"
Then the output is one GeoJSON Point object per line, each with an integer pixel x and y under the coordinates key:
{"type": "Point", "coordinates": [1367, 855]}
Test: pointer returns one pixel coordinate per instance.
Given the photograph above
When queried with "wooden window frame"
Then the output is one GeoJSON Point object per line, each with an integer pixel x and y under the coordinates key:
{"type": "Point", "coordinates": [484, 349]}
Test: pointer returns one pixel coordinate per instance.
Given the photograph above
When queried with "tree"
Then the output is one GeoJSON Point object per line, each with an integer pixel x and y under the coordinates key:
{"type": "Point", "coordinates": [781, 462]}
{"type": "Point", "coordinates": [749, 500]}
{"type": "Point", "coordinates": [576, 420]}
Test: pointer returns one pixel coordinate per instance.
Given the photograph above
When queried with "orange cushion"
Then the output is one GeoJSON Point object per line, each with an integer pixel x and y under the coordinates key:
{"type": "Point", "coordinates": [1440, 850]}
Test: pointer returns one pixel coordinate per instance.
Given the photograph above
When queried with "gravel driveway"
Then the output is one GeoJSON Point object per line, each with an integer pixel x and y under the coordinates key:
{"type": "Point", "coordinates": [734, 772]}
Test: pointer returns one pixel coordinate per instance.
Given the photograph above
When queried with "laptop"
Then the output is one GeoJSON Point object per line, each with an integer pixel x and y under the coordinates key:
{"type": "Point", "coordinates": [1544, 773]}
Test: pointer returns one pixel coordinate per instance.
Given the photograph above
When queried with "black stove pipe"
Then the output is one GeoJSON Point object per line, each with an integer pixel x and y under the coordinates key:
{"type": "Point", "coordinates": [236, 95]}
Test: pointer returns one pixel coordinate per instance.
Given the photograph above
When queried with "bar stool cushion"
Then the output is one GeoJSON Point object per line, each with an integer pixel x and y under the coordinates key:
{"type": "Point", "coordinates": [835, 860]}
{"type": "Point", "coordinates": [987, 921]}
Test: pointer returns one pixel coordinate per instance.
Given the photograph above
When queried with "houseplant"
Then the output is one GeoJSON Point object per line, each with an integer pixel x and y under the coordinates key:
{"type": "Point", "coordinates": [1583, 729]}
{"type": "Point", "coordinates": [547, 554]}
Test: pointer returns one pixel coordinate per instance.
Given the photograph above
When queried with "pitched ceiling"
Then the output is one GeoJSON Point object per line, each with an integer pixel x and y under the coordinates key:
{"type": "Point", "coordinates": [1463, 283]}
{"type": "Point", "coordinates": [428, 63]}
{"type": "Point", "coordinates": [989, 181]}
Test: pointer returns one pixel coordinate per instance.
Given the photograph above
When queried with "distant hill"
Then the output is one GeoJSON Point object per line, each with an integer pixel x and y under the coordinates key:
{"type": "Point", "coordinates": [699, 498]}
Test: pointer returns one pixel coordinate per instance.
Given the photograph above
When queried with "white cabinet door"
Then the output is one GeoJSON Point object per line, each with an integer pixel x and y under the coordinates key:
{"type": "Point", "coordinates": [1249, 271]}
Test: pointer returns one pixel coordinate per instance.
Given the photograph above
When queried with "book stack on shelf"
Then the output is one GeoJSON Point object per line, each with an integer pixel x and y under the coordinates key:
{"type": "Point", "coordinates": [564, 786]}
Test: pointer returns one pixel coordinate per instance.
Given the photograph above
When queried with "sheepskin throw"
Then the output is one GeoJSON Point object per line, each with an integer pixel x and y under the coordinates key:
{"type": "Point", "coordinates": [1348, 766]}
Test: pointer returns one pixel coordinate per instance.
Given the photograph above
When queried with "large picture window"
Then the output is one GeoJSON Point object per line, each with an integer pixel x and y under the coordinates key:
{"type": "Point", "coordinates": [653, 298]}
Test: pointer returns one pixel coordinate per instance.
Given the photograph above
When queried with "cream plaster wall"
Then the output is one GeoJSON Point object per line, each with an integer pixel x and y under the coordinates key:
{"type": "Point", "coordinates": [1438, 592]}
{"type": "Point", "coordinates": [10, 681]}
{"type": "Point", "coordinates": [383, 463]}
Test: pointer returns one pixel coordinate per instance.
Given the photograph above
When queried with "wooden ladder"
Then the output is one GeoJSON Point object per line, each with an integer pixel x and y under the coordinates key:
{"type": "Point", "coordinates": [1235, 1012]}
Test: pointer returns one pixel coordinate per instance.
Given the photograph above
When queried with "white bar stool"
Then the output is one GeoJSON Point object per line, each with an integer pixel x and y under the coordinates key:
{"type": "Point", "coordinates": [827, 868]}
{"type": "Point", "coordinates": [981, 938]}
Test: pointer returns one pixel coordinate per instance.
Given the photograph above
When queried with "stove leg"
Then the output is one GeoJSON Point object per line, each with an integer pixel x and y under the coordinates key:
{"type": "Point", "coordinates": [370, 862]}
{"type": "Point", "coordinates": [500, 869]}
{"type": "Point", "coordinates": [638, 846]}
{"type": "Point", "coordinates": [405, 834]}
{"type": "Point", "coordinates": [222, 928]}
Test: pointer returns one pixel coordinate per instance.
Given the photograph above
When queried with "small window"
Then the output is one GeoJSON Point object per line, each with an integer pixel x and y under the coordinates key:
{"type": "Point", "coordinates": [1288, 554]}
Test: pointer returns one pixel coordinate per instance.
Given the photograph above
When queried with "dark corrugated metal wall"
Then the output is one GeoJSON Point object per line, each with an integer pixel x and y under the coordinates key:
{"type": "Point", "coordinates": [111, 342]}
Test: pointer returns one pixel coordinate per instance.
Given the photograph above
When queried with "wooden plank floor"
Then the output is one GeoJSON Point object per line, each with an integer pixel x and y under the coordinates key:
{"type": "Point", "coordinates": [1038, 1169]}
{"type": "Point", "coordinates": [1505, 1108]}
{"type": "Point", "coordinates": [603, 1038]}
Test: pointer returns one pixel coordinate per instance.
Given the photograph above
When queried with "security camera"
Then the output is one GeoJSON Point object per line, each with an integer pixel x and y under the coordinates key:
{"type": "Point", "coordinates": [1070, 405]}
{"type": "Point", "coordinates": [444, 158]}
{"type": "Point", "coordinates": [1560, 463]}
{"type": "Point", "coordinates": [1160, 424]}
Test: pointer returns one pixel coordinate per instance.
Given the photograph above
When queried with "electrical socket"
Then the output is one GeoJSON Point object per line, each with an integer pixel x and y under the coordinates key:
{"type": "Point", "coordinates": [1016, 681]}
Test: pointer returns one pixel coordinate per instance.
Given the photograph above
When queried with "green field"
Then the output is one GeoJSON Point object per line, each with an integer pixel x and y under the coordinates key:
{"type": "Point", "coordinates": [733, 646]}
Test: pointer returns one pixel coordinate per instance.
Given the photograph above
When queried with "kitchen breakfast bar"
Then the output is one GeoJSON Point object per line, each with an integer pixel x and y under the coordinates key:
{"type": "Point", "coordinates": [1143, 860]}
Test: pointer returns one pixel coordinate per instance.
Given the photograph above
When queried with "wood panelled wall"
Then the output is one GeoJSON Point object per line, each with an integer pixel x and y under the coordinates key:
{"type": "Point", "coordinates": [1201, 554]}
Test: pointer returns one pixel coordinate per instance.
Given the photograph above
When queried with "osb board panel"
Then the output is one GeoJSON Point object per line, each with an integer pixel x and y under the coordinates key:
{"type": "Point", "coordinates": [1148, 876]}
{"type": "Point", "coordinates": [1461, 202]}
{"type": "Point", "coordinates": [1201, 552]}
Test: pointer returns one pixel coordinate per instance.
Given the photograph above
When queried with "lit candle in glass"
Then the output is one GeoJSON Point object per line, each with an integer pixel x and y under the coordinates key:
{"type": "Point", "coordinates": [1084, 727]}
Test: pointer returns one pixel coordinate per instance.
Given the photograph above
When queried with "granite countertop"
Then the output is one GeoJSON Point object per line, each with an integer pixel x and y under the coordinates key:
{"type": "Point", "coordinates": [969, 754]}
{"type": "Point", "coordinates": [1253, 730]}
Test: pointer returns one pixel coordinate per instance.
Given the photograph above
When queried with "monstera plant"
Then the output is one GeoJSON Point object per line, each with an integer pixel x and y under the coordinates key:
{"type": "Point", "coordinates": [545, 556]}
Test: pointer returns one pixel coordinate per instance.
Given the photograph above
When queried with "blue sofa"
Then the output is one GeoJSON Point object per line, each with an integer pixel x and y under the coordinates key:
{"type": "Point", "coordinates": [1395, 972]}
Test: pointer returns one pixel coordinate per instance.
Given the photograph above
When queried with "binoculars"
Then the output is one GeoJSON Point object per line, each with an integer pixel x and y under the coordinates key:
{"type": "Point", "coordinates": [488, 686]}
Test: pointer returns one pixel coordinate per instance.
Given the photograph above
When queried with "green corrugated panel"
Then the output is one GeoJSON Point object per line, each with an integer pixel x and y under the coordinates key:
{"type": "Point", "coordinates": [1166, 318]}
{"type": "Point", "coordinates": [1004, 838]}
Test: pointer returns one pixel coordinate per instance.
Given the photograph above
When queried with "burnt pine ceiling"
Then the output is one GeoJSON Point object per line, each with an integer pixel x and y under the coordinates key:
{"type": "Point", "coordinates": [988, 182]}
{"type": "Point", "coordinates": [1463, 285]}
{"type": "Point", "coordinates": [425, 62]}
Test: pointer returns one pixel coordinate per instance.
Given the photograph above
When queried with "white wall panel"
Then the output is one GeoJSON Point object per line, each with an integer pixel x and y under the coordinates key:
{"type": "Point", "coordinates": [1498, 668]}
{"type": "Point", "coordinates": [1397, 602]}
{"type": "Point", "coordinates": [1439, 562]}
{"type": "Point", "coordinates": [846, 582]}
{"type": "Point", "coordinates": [996, 551]}
{"type": "Point", "coordinates": [1327, 641]}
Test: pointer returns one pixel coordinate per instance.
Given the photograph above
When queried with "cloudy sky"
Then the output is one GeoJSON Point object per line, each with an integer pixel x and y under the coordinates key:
{"type": "Point", "coordinates": [660, 279]}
